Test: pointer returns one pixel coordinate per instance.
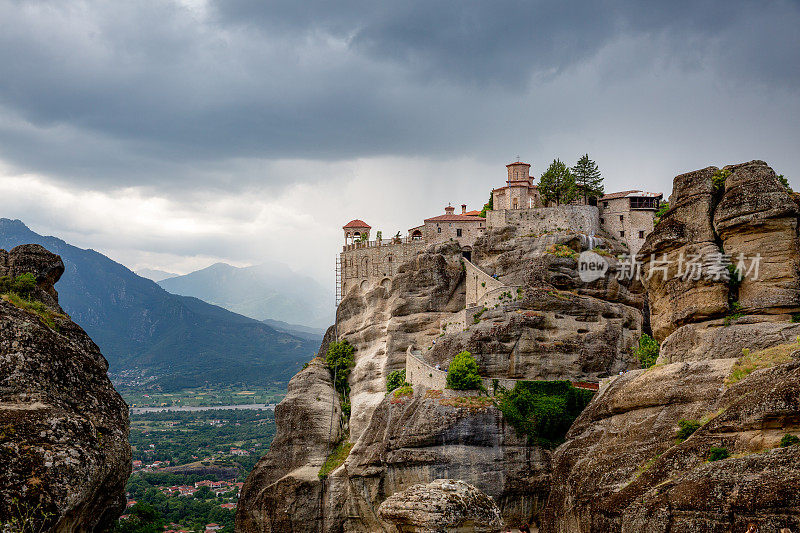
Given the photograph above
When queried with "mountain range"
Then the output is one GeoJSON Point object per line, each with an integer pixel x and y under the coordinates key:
{"type": "Point", "coordinates": [270, 291]}
{"type": "Point", "coordinates": [154, 274]}
{"type": "Point", "coordinates": [182, 340]}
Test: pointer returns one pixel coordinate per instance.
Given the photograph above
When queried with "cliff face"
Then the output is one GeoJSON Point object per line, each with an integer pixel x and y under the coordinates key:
{"type": "Point", "coordinates": [729, 361]}
{"type": "Point", "coordinates": [554, 327]}
{"type": "Point", "coordinates": [63, 428]}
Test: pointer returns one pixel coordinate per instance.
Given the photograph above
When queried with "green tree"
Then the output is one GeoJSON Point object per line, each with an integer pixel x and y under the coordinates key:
{"type": "Point", "coordinates": [340, 359]}
{"type": "Point", "coordinates": [687, 428]}
{"type": "Point", "coordinates": [784, 182]}
{"type": "Point", "coordinates": [587, 178]}
{"type": "Point", "coordinates": [647, 351]}
{"type": "Point", "coordinates": [543, 410]}
{"type": "Point", "coordinates": [557, 184]}
{"type": "Point", "coordinates": [395, 380]}
{"type": "Point", "coordinates": [463, 373]}
{"type": "Point", "coordinates": [488, 206]}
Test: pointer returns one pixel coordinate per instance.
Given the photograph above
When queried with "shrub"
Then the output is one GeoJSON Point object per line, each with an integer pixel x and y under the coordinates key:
{"type": "Point", "coordinates": [45, 314]}
{"type": "Point", "coordinates": [796, 317]}
{"type": "Point", "coordinates": [543, 410]}
{"type": "Point", "coordinates": [463, 373]}
{"type": "Point", "coordinates": [647, 351]}
{"type": "Point", "coordinates": [395, 380]}
{"type": "Point", "coordinates": [718, 180]}
{"type": "Point", "coordinates": [718, 454]}
{"type": "Point", "coordinates": [562, 250]}
{"type": "Point", "coordinates": [789, 440]}
{"type": "Point", "coordinates": [687, 427]}
{"type": "Point", "coordinates": [405, 390]}
{"type": "Point", "coordinates": [734, 314]}
{"type": "Point", "coordinates": [340, 360]}
{"type": "Point", "coordinates": [24, 285]}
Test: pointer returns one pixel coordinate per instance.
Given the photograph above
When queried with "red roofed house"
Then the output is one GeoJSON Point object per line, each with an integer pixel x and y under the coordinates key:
{"type": "Point", "coordinates": [462, 228]}
{"type": "Point", "coordinates": [628, 216]}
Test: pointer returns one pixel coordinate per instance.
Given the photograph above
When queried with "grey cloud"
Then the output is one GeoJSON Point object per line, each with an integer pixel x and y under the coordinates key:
{"type": "Point", "coordinates": [151, 94]}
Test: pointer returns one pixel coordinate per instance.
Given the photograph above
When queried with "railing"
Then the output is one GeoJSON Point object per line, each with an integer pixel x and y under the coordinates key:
{"type": "Point", "coordinates": [383, 242]}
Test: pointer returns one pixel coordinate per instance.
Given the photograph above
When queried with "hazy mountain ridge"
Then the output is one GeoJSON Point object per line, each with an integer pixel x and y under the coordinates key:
{"type": "Point", "coordinates": [137, 324]}
{"type": "Point", "coordinates": [267, 291]}
{"type": "Point", "coordinates": [155, 274]}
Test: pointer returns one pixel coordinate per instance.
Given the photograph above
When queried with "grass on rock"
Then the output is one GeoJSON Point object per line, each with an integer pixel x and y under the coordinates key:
{"type": "Point", "coordinates": [336, 458]}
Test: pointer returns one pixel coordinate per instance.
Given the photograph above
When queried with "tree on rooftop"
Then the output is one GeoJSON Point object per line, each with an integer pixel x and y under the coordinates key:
{"type": "Point", "coordinates": [557, 184]}
{"type": "Point", "coordinates": [588, 178]}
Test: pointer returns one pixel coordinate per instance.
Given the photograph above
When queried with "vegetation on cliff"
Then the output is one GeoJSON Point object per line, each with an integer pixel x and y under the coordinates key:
{"type": "Point", "coordinates": [543, 410]}
{"type": "Point", "coordinates": [647, 351]}
{"type": "Point", "coordinates": [463, 373]}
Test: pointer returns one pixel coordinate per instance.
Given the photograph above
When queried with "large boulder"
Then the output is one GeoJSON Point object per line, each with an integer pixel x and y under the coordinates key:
{"type": "Point", "coordinates": [283, 490]}
{"type": "Point", "coordinates": [735, 376]}
{"type": "Point", "coordinates": [63, 428]}
{"type": "Point", "coordinates": [441, 506]}
{"type": "Point", "coordinates": [684, 232]}
{"type": "Point", "coordinates": [758, 217]}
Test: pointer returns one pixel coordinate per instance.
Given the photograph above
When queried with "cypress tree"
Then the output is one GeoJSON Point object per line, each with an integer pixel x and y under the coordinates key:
{"type": "Point", "coordinates": [587, 178]}
{"type": "Point", "coordinates": [557, 184]}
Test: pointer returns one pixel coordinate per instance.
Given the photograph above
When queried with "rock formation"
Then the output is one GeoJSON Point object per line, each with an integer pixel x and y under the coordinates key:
{"type": "Point", "coordinates": [557, 327]}
{"type": "Point", "coordinates": [284, 492]}
{"type": "Point", "coordinates": [63, 428]}
{"type": "Point", "coordinates": [441, 506]}
{"type": "Point", "coordinates": [729, 369]}
{"type": "Point", "coordinates": [737, 376]}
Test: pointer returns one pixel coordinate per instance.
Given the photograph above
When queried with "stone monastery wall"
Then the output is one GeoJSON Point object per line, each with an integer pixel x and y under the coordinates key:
{"type": "Point", "coordinates": [368, 263]}
{"type": "Point", "coordinates": [579, 218]}
{"type": "Point", "coordinates": [479, 284]}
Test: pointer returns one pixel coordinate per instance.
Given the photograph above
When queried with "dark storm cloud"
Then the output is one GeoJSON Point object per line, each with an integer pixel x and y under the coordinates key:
{"type": "Point", "coordinates": [500, 42]}
{"type": "Point", "coordinates": [153, 93]}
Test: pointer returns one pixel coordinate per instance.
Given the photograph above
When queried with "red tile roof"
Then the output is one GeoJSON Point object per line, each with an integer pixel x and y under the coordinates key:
{"type": "Point", "coordinates": [472, 213]}
{"type": "Point", "coordinates": [517, 163]}
{"type": "Point", "coordinates": [455, 218]}
{"type": "Point", "coordinates": [356, 224]}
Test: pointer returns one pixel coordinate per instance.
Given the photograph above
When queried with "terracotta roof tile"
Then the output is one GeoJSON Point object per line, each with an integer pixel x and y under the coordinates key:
{"type": "Point", "coordinates": [455, 218]}
{"type": "Point", "coordinates": [356, 224]}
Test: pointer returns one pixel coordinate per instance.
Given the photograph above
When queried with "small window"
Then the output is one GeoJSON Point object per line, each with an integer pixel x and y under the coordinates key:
{"type": "Point", "coordinates": [621, 218]}
{"type": "Point", "coordinates": [641, 234]}
{"type": "Point", "coordinates": [438, 230]}
{"type": "Point", "coordinates": [602, 220]}
{"type": "Point", "coordinates": [458, 232]}
{"type": "Point", "coordinates": [621, 233]}
{"type": "Point", "coordinates": [605, 204]}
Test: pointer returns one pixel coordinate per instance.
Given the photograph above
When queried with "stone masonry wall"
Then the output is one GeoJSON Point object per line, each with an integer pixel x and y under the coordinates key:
{"type": "Point", "coordinates": [365, 264]}
{"type": "Point", "coordinates": [633, 223]}
{"type": "Point", "coordinates": [479, 283]}
{"type": "Point", "coordinates": [470, 230]}
{"type": "Point", "coordinates": [578, 218]}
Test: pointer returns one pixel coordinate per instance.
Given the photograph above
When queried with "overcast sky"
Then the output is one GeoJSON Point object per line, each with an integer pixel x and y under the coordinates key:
{"type": "Point", "coordinates": [174, 134]}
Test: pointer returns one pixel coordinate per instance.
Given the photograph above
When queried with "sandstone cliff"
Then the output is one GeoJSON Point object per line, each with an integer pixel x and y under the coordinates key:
{"type": "Point", "coordinates": [63, 428]}
{"type": "Point", "coordinates": [729, 361]}
{"type": "Point", "coordinates": [553, 327]}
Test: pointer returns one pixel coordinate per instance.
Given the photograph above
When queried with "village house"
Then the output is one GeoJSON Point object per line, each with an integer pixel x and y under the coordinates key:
{"type": "Point", "coordinates": [629, 216]}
